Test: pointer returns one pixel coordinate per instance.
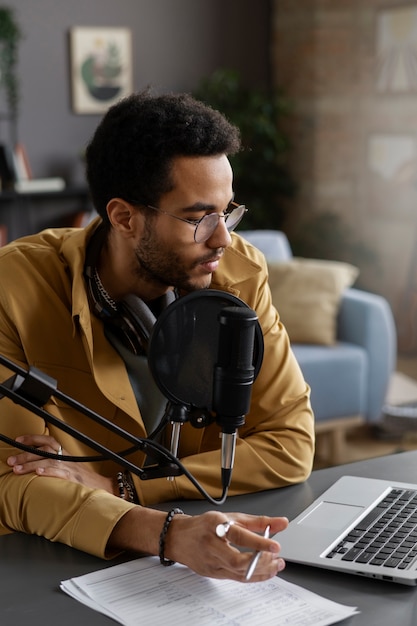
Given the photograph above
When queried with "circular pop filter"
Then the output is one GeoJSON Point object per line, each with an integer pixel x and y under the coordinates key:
{"type": "Point", "coordinates": [183, 346]}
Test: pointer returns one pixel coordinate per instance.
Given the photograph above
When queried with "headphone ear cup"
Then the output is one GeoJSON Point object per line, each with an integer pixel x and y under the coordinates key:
{"type": "Point", "coordinates": [137, 320]}
{"type": "Point", "coordinates": [139, 317]}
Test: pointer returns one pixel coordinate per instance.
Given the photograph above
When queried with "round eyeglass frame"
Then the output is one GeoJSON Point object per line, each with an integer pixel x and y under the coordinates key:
{"type": "Point", "coordinates": [210, 221]}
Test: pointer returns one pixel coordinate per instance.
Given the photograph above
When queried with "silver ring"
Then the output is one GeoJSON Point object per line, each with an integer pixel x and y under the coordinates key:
{"type": "Point", "coordinates": [223, 529]}
{"type": "Point", "coordinates": [59, 453]}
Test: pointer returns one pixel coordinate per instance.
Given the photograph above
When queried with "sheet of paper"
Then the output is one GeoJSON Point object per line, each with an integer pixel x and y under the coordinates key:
{"type": "Point", "coordinates": [143, 592]}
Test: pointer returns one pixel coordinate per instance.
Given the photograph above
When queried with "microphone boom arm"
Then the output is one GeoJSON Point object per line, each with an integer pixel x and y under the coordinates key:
{"type": "Point", "coordinates": [32, 388]}
{"type": "Point", "coordinates": [36, 388]}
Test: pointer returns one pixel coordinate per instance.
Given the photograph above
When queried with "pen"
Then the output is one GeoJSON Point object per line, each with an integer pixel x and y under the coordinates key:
{"type": "Point", "coordinates": [256, 556]}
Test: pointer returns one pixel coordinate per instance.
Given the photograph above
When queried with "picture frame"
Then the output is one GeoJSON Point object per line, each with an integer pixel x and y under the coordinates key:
{"type": "Point", "coordinates": [396, 44]}
{"type": "Point", "coordinates": [101, 67]}
{"type": "Point", "coordinates": [392, 174]}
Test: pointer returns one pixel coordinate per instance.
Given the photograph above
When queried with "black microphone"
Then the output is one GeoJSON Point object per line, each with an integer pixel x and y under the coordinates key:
{"type": "Point", "coordinates": [234, 374]}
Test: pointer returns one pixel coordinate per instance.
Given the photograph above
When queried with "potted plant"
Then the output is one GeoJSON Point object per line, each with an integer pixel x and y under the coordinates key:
{"type": "Point", "coordinates": [9, 39]}
{"type": "Point", "coordinates": [261, 177]}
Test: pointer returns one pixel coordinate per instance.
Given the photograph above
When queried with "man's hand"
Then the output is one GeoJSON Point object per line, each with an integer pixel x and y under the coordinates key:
{"type": "Point", "coordinates": [193, 541]}
{"type": "Point", "coordinates": [28, 463]}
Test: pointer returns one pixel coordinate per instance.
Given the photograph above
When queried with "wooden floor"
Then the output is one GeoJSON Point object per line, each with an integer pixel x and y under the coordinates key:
{"type": "Point", "coordinates": [366, 442]}
{"type": "Point", "coordinates": [408, 365]}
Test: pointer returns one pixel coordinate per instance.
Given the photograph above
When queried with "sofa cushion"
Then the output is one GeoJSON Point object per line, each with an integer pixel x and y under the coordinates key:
{"type": "Point", "coordinates": [307, 293]}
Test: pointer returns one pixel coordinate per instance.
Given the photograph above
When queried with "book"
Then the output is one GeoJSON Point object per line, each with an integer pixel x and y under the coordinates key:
{"type": "Point", "coordinates": [21, 163]}
{"type": "Point", "coordinates": [32, 185]}
{"type": "Point", "coordinates": [7, 171]}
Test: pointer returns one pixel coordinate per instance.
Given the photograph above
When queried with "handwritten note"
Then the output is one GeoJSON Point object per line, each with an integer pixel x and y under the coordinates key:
{"type": "Point", "coordinates": [141, 591]}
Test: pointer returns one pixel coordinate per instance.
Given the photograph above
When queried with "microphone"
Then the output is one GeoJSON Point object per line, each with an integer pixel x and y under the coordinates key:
{"type": "Point", "coordinates": [233, 374]}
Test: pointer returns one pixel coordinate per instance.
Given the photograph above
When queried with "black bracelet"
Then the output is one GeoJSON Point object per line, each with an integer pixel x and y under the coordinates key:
{"type": "Point", "coordinates": [163, 535]}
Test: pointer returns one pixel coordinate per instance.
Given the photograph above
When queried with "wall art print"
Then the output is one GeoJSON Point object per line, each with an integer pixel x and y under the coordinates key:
{"type": "Point", "coordinates": [101, 67]}
{"type": "Point", "coordinates": [396, 49]}
{"type": "Point", "coordinates": [392, 174]}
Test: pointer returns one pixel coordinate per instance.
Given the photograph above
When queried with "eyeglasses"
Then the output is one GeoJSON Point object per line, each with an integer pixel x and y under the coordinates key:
{"type": "Point", "coordinates": [206, 225]}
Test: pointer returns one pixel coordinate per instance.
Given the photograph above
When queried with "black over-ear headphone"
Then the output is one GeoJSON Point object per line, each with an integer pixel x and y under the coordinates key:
{"type": "Point", "coordinates": [131, 320]}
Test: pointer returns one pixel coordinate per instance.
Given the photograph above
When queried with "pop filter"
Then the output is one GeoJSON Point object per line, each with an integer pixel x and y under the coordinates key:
{"type": "Point", "coordinates": [183, 347]}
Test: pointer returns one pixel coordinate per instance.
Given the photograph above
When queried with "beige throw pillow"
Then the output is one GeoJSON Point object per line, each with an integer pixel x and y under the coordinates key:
{"type": "Point", "coordinates": [307, 293]}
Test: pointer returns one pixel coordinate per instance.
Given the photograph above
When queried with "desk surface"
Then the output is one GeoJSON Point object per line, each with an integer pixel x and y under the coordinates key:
{"type": "Point", "coordinates": [31, 568]}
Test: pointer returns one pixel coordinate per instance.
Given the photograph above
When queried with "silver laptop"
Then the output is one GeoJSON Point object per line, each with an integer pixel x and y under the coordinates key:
{"type": "Point", "coordinates": [362, 526]}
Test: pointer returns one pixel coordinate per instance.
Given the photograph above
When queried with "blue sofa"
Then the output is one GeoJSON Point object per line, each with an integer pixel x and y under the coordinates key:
{"type": "Point", "coordinates": [349, 379]}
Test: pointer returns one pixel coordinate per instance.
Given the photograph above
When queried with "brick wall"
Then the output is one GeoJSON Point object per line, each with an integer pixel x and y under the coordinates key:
{"type": "Point", "coordinates": [349, 68]}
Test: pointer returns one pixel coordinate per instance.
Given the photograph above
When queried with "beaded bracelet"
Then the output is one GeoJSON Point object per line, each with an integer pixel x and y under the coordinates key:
{"type": "Point", "coordinates": [163, 535]}
{"type": "Point", "coordinates": [126, 487]}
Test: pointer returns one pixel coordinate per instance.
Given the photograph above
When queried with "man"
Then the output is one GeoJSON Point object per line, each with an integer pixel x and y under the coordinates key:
{"type": "Point", "coordinates": [161, 182]}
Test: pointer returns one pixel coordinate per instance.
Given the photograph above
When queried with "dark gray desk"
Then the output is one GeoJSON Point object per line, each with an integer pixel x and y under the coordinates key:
{"type": "Point", "coordinates": [31, 568]}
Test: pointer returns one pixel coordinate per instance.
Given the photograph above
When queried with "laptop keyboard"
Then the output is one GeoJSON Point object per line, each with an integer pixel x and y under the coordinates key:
{"type": "Point", "coordinates": [387, 536]}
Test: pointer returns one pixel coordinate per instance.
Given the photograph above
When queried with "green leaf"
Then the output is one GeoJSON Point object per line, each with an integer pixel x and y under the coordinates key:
{"type": "Point", "coordinates": [262, 179]}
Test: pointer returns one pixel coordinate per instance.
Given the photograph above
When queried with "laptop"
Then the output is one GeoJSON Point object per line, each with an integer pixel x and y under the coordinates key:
{"type": "Point", "coordinates": [362, 526]}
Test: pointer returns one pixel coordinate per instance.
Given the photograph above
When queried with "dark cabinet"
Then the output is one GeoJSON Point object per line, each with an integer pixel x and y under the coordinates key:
{"type": "Point", "coordinates": [26, 213]}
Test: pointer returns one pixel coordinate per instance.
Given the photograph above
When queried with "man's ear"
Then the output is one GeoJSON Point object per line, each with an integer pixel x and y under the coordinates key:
{"type": "Point", "coordinates": [123, 216]}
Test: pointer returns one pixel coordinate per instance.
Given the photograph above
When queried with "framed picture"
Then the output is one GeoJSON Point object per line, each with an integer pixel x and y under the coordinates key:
{"type": "Point", "coordinates": [396, 50]}
{"type": "Point", "coordinates": [392, 174]}
{"type": "Point", "coordinates": [101, 67]}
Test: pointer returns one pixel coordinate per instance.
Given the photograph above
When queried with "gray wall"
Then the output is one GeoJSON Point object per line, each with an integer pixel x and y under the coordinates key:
{"type": "Point", "coordinates": [175, 43]}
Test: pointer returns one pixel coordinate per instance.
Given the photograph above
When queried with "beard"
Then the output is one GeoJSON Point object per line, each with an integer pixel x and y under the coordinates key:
{"type": "Point", "coordinates": [158, 264]}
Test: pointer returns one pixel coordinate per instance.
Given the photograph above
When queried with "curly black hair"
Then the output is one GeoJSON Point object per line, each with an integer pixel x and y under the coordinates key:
{"type": "Point", "coordinates": [131, 152]}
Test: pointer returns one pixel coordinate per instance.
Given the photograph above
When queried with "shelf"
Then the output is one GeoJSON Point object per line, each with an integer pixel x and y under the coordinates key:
{"type": "Point", "coordinates": [27, 213]}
